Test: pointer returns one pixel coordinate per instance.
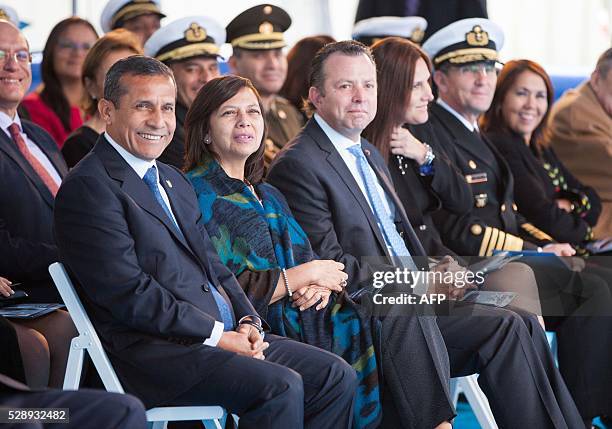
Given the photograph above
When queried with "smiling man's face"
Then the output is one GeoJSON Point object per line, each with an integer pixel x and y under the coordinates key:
{"type": "Point", "coordinates": [144, 120]}
{"type": "Point", "coordinates": [15, 76]}
{"type": "Point", "coordinates": [348, 99]}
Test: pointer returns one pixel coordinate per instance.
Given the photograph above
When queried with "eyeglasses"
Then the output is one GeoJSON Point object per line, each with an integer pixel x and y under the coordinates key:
{"type": "Point", "coordinates": [74, 46]}
{"type": "Point", "coordinates": [478, 68]}
{"type": "Point", "coordinates": [22, 56]}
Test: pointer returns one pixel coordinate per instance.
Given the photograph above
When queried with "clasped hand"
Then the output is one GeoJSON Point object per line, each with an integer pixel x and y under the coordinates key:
{"type": "Point", "coordinates": [449, 265]}
{"type": "Point", "coordinates": [245, 341]}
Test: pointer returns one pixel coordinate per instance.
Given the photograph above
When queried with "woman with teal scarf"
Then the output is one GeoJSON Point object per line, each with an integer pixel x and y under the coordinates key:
{"type": "Point", "coordinates": [257, 237]}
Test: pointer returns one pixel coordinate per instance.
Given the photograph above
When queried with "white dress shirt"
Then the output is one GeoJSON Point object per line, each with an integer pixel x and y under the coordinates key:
{"type": "Point", "coordinates": [470, 126]}
{"type": "Point", "coordinates": [342, 143]}
{"type": "Point", "coordinates": [6, 122]}
{"type": "Point", "coordinates": [140, 166]}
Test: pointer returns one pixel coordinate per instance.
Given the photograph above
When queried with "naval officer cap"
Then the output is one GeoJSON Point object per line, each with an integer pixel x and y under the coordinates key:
{"type": "Point", "coordinates": [116, 12]}
{"type": "Point", "coordinates": [192, 36]}
{"type": "Point", "coordinates": [259, 28]}
{"type": "Point", "coordinates": [369, 31]}
{"type": "Point", "coordinates": [465, 41]}
{"type": "Point", "coordinates": [9, 14]}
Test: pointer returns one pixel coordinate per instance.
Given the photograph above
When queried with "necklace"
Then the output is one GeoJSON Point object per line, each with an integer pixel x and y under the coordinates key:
{"type": "Point", "coordinates": [252, 189]}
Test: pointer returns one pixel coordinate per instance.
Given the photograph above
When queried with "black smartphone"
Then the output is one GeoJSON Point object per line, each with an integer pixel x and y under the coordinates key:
{"type": "Point", "coordinates": [16, 298]}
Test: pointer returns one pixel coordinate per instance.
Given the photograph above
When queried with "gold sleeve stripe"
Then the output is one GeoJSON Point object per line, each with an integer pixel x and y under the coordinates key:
{"type": "Point", "coordinates": [513, 243]}
{"type": "Point", "coordinates": [485, 240]}
{"type": "Point", "coordinates": [492, 241]}
{"type": "Point", "coordinates": [537, 233]}
{"type": "Point", "coordinates": [497, 239]}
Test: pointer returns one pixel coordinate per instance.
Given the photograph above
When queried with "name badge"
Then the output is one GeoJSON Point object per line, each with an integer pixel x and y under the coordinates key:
{"type": "Point", "coordinates": [476, 178]}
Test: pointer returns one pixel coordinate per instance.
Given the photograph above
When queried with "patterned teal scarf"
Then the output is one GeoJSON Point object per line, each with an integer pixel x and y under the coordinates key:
{"type": "Point", "coordinates": [249, 235]}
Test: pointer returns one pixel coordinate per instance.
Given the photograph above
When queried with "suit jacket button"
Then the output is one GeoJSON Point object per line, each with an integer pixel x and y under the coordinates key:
{"type": "Point", "coordinates": [205, 288]}
{"type": "Point", "coordinates": [401, 233]}
{"type": "Point", "coordinates": [423, 227]}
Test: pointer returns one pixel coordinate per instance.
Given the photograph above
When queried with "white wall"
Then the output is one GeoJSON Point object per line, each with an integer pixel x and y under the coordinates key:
{"type": "Point", "coordinates": [564, 35]}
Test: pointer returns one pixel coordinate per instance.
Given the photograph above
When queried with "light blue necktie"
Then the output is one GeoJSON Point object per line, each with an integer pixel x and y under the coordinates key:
{"type": "Point", "coordinates": [150, 178]}
{"type": "Point", "coordinates": [392, 237]}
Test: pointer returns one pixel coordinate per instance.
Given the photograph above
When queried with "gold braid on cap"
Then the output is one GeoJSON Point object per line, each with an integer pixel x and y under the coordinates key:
{"type": "Point", "coordinates": [134, 10]}
{"type": "Point", "coordinates": [272, 40]}
{"type": "Point", "coordinates": [467, 55]}
{"type": "Point", "coordinates": [188, 51]}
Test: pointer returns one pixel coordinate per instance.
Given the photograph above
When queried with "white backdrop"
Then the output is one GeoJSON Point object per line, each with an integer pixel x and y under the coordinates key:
{"type": "Point", "coordinates": [564, 35]}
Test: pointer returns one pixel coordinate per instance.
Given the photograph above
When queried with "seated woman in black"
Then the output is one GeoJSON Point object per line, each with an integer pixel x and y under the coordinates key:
{"type": "Point", "coordinates": [547, 194]}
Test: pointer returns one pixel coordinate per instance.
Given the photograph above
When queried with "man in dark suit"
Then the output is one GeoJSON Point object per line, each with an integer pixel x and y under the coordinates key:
{"type": "Point", "coordinates": [31, 170]}
{"type": "Point", "coordinates": [438, 13]}
{"type": "Point", "coordinates": [339, 190]}
{"type": "Point", "coordinates": [464, 54]}
{"type": "Point", "coordinates": [108, 410]}
{"type": "Point", "coordinates": [175, 322]}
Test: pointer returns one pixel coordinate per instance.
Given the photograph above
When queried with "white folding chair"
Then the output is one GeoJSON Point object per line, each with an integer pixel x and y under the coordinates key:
{"type": "Point", "coordinates": [88, 341]}
{"type": "Point", "coordinates": [475, 397]}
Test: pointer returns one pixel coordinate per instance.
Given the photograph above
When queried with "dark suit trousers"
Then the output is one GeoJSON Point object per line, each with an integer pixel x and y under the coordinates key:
{"type": "Point", "coordinates": [578, 307]}
{"type": "Point", "coordinates": [415, 371]}
{"type": "Point", "coordinates": [88, 408]}
{"type": "Point", "coordinates": [296, 386]}
{"type": "Point", "coordinates": [517, 372]}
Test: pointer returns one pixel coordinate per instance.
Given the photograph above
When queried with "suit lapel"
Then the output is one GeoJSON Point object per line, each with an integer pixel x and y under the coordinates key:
{"type": "Point", "coordinates": [339, 166]}
{"type": "Point", "coordinates": [54, 157]}
{"type": "Point", "coordinates": [8, 147]}
{"type": "Point", "coordinates": [135, 187]}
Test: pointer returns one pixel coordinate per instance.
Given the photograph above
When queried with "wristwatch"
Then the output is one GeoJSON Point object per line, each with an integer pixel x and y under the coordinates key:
{"type": "Point", "coordinates": [427, 168]}
{"type": "Point", "coordinates": [429, 156]}
{"type": "Point", "coordinates": [254, 321]}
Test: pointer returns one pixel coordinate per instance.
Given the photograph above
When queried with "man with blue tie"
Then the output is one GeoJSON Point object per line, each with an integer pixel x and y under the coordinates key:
{"type": "Point", "coordinates": [176, 324]}
{"type": "Point", "coordinates": [339, 189]}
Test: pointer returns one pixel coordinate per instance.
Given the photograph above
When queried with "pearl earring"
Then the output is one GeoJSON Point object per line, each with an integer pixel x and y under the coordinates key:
{"type": "Point", "coordinates": [207, 139]}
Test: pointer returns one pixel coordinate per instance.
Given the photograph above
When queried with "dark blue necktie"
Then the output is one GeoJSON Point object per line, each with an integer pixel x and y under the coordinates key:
{"type": "Point", "coordinates": [150, 178]}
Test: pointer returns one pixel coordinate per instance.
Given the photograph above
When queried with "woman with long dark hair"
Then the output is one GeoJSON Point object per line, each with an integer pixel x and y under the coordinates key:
{"type": "Point", "coordinates": [551, 198]}
{"type": "Point", "coordinates": [424, 177]}
{"type": "Point", "coordinates": [545, 191]}
{"type": "Point", "coordinates": [301, 296]}
{"type": "Point", "coordinates": [54, 105]}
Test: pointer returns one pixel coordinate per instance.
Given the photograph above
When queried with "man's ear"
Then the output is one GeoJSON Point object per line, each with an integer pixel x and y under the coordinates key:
{"type": "Point", "coordinates": [106, 108]}
{"type": "Point", "coordinates": [441, 80]}
{"type": "Point", "coordinates": [314, 95]}
{"type": "Point", "coordinates": [232, 64]}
